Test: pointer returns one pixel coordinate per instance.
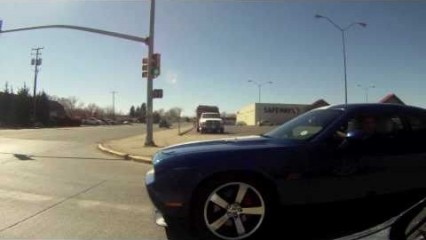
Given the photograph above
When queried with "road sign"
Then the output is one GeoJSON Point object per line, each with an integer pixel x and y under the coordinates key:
{"type": "Point", "coordinates": [157, 93]}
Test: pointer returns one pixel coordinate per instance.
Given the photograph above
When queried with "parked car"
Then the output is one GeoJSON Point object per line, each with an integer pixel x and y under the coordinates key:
{"type": "Point", "coordinates": [92, 121]}
{"type": "Point", "coordinates": [265, 123]}
{"type": "Point", "coordinates": [164, 123]}
{"type": "Point", "coordinates": [109, 122]}
{"type": "Point", "coordinates": [230, 188]}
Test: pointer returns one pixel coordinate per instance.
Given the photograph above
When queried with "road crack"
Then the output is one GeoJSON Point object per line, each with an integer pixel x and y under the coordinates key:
{"type": "Point", "coordinates": [52, 206]}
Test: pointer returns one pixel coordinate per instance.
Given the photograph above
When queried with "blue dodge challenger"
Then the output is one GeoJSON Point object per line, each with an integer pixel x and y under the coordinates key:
{"type": "Point", "coordinates": [230, 188]}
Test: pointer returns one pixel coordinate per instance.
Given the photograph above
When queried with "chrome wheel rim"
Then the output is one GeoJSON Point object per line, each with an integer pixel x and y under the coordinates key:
{"type": "Point", "coordinates": [234, 211]}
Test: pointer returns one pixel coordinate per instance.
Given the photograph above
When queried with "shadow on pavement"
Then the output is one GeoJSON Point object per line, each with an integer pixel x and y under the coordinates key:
{"type": "Point", "coordinates": [22, 157]}
{"type": "Point", "coordinates": [329, 221]}
{"type": "Point", "coordinates": [31, 157]}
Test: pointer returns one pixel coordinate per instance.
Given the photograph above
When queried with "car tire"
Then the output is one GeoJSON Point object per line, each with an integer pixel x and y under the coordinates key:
{"type": "Point", "coordinates": [247, 216]}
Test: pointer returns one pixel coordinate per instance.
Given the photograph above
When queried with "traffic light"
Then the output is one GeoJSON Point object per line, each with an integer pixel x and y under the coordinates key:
{"type": "Point", "coordinates": [145, 67]}
{"type": "Point", "coordinates": [155, 65]}
{"type": "Point", "coordinates": [157, 93]}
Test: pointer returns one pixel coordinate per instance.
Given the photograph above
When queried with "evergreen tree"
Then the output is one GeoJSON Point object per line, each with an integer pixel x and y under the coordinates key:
{"type": "Point", "coordinates": [43, 109]}
{"type": "Point", "coordinates": [142, 114]}
{"type": "Point", "coordinates": [22, 108]}
{"type": "Point", "coordinates": [132, 112]}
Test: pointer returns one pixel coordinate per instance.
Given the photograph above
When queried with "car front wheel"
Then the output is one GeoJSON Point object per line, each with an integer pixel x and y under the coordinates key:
{"type": "Point", "coordinates": [232, 210]}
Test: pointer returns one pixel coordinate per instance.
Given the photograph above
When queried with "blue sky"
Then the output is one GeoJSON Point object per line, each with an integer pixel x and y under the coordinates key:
{"type": "Point", "coordinates": [211, 48]}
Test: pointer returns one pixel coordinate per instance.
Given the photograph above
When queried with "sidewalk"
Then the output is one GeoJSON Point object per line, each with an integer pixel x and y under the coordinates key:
{"type": "Point", "coordinates": [132, 148]}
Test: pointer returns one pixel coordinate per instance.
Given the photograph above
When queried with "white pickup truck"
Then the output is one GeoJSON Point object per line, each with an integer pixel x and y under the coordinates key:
{"type": "Point", "coordinates": [210, 122]}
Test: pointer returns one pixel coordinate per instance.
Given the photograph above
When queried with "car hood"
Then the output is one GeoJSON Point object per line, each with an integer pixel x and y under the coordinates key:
{"type": "Point", "coordinates": [222, 145]}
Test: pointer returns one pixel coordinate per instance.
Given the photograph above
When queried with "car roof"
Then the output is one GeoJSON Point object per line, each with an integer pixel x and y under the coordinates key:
{"type": "Point", "coordinates": [355, 107]}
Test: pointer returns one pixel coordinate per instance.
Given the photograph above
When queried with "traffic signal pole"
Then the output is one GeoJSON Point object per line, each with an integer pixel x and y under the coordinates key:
{"type": "Point", "coordinates": [149, 139]}
{"type": "Point", "coordinates": [149, 41]}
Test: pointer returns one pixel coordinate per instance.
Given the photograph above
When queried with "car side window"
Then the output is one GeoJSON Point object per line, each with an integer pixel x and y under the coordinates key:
{"type": "Point", "coordinates": [417, 123]}
{"type": "Point", "coordinates": [390, 125]}
{"type": "Point", "coordinates": [379, 131]}
{"type": "Point", "coordinates": [418, 130]}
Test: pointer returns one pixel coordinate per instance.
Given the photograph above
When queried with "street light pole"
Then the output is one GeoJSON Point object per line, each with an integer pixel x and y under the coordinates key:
{"type": "Point", "coordinates": [344, 66]}
{"type": "Point", "coordinates": [260, 92]}
{"type": "Point", "coordinates": [259, 85]}
{"type": "Point", "coordinates": [343, 30]}
{"type": "Point", "coordinates": [366, 88]}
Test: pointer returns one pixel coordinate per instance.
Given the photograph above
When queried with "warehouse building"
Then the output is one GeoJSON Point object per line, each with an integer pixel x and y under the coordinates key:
{"type": "Point", "coordinates": [278, 113]}
{"type": "Point", "coordinates": [273, 113]}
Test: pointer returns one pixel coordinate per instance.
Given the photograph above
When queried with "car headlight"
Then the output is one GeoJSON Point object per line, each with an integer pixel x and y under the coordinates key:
{"type": "Point", "coordinates": [150, 176]}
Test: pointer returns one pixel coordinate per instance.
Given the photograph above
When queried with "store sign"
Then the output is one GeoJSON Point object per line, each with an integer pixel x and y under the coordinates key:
{"type": "Point", "coordinates": [281, 110]}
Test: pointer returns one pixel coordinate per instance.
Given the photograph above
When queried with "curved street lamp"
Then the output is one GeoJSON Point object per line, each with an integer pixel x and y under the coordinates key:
{"type": "Point", "coordinates": [343, 30]}
{"type": "Point", "coordinates": [366, 88]}
{"type": "Point", "coordinates": [259, 85]}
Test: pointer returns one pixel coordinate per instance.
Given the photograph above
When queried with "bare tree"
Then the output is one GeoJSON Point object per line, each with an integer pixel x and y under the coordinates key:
{"type": "Point", "coordinates": [69, 104]}
{"type": "Point", "coordinates": [91, 109]}
{"type": "Point", "coordinates": [108, 112]}
{"type": "Point", "coordinates": [173, 114]}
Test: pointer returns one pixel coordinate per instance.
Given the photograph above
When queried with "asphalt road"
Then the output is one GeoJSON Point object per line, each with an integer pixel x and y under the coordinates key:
{"type": "Point", "coordinates": [54, 183]}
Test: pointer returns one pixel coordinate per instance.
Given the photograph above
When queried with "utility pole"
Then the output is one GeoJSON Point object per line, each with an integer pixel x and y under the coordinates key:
{"type": "Point", "coordinates": [149, 140]}
{"type": "Point", "coordinates": [113, 104]}
{"type": "Point", "coordinates": [36, 62]}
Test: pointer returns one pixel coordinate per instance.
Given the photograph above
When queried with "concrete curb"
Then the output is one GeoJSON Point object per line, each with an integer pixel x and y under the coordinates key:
{"type": "Point", "coordinates": [135, 158]}
{"type": "Point", "coordinates": [125, 156]}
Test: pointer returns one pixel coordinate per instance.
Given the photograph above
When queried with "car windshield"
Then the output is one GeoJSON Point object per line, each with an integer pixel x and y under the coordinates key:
{"type": "Point", "coordinates": [211, 115]}
{"type": "Point", "coordinates": [305, 126]}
